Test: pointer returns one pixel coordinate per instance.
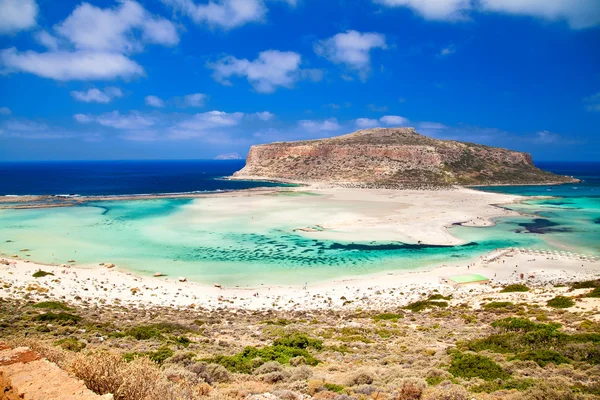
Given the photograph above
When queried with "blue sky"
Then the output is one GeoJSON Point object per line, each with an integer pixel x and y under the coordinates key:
{"type": "Point", "coordinates": [170, 79]}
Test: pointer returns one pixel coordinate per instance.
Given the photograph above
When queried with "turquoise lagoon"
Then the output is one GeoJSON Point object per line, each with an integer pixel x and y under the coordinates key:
{"type": "Point", "coordinates": [197, 239]}
{"type": "Point", "coordinates": [147, 236]}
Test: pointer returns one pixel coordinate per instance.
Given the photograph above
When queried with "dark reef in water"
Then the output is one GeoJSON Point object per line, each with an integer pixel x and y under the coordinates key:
{"type": "Point", "coordinates": [597, 221]}
{"type": "Point", "coordinates": [543, 226]}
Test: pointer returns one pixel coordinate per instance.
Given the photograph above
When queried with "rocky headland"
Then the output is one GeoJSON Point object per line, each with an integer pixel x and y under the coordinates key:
{"type": "Point", "coordinates": [393, 158]}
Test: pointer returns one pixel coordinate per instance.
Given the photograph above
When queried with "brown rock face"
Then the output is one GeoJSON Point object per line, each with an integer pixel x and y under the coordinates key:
{"type": "Point", "coordinates": [392, 157]}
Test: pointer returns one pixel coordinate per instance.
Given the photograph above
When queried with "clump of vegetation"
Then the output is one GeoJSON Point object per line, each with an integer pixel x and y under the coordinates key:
{"type": "Point", "coordinates": [586, 285]}
{"type": "Point", "coordinates": [278, 322]}
{"type": "Point", "coordinates": [62, 317]}
{"type": "Point", "coordinates": [498, 304]}
{"type": "Point", "coordinates": [438, 296]}
{"type": "Point", "coordinates": [41, 274]}
{"type": "Point", "coordinates": [543, 357]}
{"type": "Point", "coordinates": [154, 331]}
{"type": "Point", "coordinates": [332, 387]}
{"type": "Point", "coordinates": [52, 305]}
{"type": "Point", "coordinates": [594, 293]}
{"type": "Point", "coordinates": [425, 304]}
{"type": "Point", "coordinates": [466, 365]}
{"type": "Point", "coordinates": [387, 317]}
{"type": "Point", "coordinates": [71, 344]}
{"type": "Point", "coordinates": [158, 356]}
{"type": "Point", "coordinates": [517, 287]}
{"type": "Point", "coordinates": [561, 302]}
{"type": "Point", "coordinates": [282, 350]}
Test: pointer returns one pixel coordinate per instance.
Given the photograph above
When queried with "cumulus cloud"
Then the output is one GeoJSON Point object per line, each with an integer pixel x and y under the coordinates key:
{"type": "Point", "coordinates": [63, 66]}
{"type": "Point", "coordinates": [124, 29]}
{"type": "Point", "coordinates": [201, 123]}
{"type": "Point", "coordinates": [93, 43]}
{"type": "Point", "coordinates": [5, 111]}
{"type": "Point", "coordinates": [264, 115]}
{"type": "Point", "coordinates": [579, 14]}
{"type": "Point", "coordinates": [225, 14]}
{"type": "Point", "coordinates": [17, 15]}
{"type": "Point", "coordinates": [194, 100]}
{"type": "Point", "coordinates": [83, 118]}
{"type": "Point", "coordinates": [327, 125]}
{"type": "Point", "coordinates": [96, 95]}
{"type": "Point", "coordinates": [271, 69]}
{"type": "Point", "coordinates": [394, 120]}
{"type": "Point", "coordinates": [352, 49]}
{"type": "Point", "coordinates": [389, 120]}
{"type": "Point", "coordinates": [154, 101]}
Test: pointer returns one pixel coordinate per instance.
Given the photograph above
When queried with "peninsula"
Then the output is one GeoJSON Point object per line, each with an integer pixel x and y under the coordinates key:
{"type": "Point", "coordinates": [393, 158]}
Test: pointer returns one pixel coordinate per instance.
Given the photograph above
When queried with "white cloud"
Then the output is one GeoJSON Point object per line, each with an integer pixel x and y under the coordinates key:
{"type": "Point", "coordinates": [92, 44]}
{"type": "Point", "coordinates": [226, 14]}
{"type": "Point", "coordinates": [327, 125]}
{"type": "Point", "coordinates": [194, 100]}
{"type": "Point", "coordinates": [47, 40]}
{"type": "Point", "coordinates": [433, 9]}
{"type": "Point", "coordinates": [17, 15]}
{"type": "Point", "coordinates": [78, 65]}
{"type": "Point", "coordinates": [125, 28]}
{"type": "Point", "coordinates": [228, 156]}
{"type": "Point", "coordinates": [5, 111]}
{"type": "Point", "coordinates": [395, 120]}
{"type": "Point", "coordinates": [546, 137]}
{"type": "Point", "coordinates": [446, 51]}
{"type": "Point", "coordinates": [25, 126]}
{"type": "Point", "coordinates": [83, 118]}
{"type": "Point", "coordinates": [367, 123]}
{"type": "Point", "coordinates": [270, 70]}
{"type": "Point", "coordinates": [264, 115]}
{"type": "Point", "coordinates": [154, 101]}
{"type": "Point", "coordinates": [352, 48]}
{"type": "Point", "coordinates": [97, 96]}
{"type": "Point", "coordinates": [593, 102]}
{"type": "Point", "coordinates": [115, 119]}
{"type": "Point", "coordinates": [579, 14]}
{"type": "Point", "coordinates": [202, 123]}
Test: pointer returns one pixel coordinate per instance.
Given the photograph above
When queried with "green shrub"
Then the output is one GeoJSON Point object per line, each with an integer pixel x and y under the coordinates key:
{"type": "Point", "coordinates": [278, 322]}
{"type": "Point", "coordinates": [158, 356]}
{"type": "Point", "coordinates": [498, 304]}
{"type": "Point", "coordinates": [514, 324]}
{"type": "Point", "coordinates": [543, 357]}
{"type": "Point", "coordinates": [52, 305]}
{"type": "Point", "coordinates": [61, 317]}
{"type": "Point", "coordinates": [41, 274]}
{"type": "Point", "coordinates": [332, 387]}
{"type": "Point", "coordinates": [71, 344]}
{"type": "Point", "coordinates": [511, 384]}
{"type": "Point", "coordinates": [438, 296]}
{"type": "Point", "coordinates": [586, 285]}
{"type": "Point", "coordinates": [594, 293]}
{"type": "Point", "coordinates": [465, 365]}
{"type": "Point", "coordinates": [517, 287]}
{"type": "Point", "coordinates": [183, 341]}
{"type": "Point", "coordinates": [298, 341]}
{"type": "Point", "coordinates": [387, 317]}
{"type": "Point", "coordinates": [561, 302]}
{"type": "Point", "coordinates": [425, 304]}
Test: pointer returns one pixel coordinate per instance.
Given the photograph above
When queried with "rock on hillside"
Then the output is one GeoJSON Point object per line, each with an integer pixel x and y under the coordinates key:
{"type": "Point", "coordinates": [395, 158]}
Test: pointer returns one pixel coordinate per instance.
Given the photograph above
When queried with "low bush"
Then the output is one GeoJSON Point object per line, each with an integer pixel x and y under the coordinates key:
{"type": "Point", "coordinates": [210, 373]}
{"type": "Point", "coordinates": [71, 344]}
{"type": "Point", "coordinates": [561, 302]}
{"type": "Point", "coordinates": [332, 387]}
{"type": "Point", "coordinates": [498, 304]}
{"type": "Point", "coordinates": [543, 357]}
{"type": "Point", "coordinates": [425, 304]}
{"type": "Point", "coordinates": [586, 285]}
{"type": "Point", "coordinates": [41, 274]}
{"type": "Point", "coordinates": [517, 287]}
{"type": "Point", "coordinates": [52, 305]}
{"type": "Point", "coordinates": [158, 356]}
{"type": "Point", "coordinates": [465, 365]}
{"type": "Point", "coordinates": [594, 293]}
{"type": "Point", "coordinates": [62, 318]}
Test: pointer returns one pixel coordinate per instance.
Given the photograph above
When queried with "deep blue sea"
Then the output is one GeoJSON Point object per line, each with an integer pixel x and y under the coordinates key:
{"type": "Point", "coordinates": [94, 178]}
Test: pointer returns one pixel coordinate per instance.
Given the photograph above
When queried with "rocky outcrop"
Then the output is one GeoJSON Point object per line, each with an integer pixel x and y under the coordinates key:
{"type": "Point", "coordinates": [392, 157]}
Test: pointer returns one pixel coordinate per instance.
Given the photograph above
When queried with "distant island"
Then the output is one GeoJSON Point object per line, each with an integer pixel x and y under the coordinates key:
{"type": "Point", "coordinates": [393, 158]}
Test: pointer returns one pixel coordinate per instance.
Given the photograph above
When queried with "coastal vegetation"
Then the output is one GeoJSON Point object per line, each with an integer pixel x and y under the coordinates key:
{"type": "Point", "coordinates": [435, 348]}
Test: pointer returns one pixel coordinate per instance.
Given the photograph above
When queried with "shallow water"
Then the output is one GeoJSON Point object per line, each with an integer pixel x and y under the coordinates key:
{"type": "Point", "coordinates": [197, 239]}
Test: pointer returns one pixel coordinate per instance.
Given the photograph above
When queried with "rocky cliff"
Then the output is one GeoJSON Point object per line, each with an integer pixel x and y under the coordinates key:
{"type": "Point", "coordinates": [392, 157]}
